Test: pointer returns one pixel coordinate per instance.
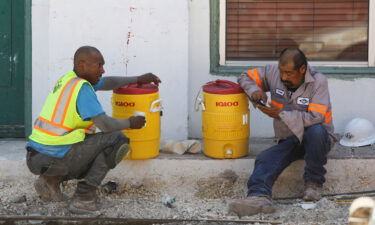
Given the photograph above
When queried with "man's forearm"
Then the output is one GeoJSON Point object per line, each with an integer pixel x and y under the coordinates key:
{"type": "Point", "coordinates": [110, 83]}
{"type": "Point", "coordinates": [248, 85]}
{"type": "Point", "coordinates": [108, 124]}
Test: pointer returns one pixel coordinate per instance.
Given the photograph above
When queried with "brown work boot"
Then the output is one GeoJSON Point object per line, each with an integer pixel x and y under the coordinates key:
{"type": "Point", "coordinates": [85, 200]}
{"type": "Point", "coordinates": [312, 192]}
{"type": "Point", "coordinates": [252, 205]}
{"type": "Point", "coordinates": [48, 188]}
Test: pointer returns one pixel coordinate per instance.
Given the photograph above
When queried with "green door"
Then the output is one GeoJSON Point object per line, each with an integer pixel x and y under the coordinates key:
{"type": "Point", "coordinates": [12, 64]}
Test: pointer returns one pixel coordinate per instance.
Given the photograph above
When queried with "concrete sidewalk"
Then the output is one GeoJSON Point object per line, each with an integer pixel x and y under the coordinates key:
{"type": "Point", "coordinates": [349, 169]}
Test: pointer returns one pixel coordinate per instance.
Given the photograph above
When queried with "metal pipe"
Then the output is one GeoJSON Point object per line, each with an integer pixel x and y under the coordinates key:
{"type": "Point", "coordinates": [101, 220]}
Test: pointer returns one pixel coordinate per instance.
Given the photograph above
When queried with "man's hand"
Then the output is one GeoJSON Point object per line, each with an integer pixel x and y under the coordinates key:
{"type": "Point", "coordinates": [137, 122]}
{"type": "Point", "coordinates": [148, 78]}
{"type": "Point", "coordinates": [258, 96]}
{"type": "Point", "coordinates": [272, 111]}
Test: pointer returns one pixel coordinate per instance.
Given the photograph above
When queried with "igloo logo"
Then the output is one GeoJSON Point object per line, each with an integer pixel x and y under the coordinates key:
{"type": "Point", "coordinates": [226, 104]}
{"type": "Point", "coordinates": [125, 104]}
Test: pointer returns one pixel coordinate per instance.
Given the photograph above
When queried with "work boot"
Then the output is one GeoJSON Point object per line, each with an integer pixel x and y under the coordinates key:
{"type": "Point", "coordinates": [85, 200]}
{"type": "Point", "coordinates": [252, 205]}
{"type": "Point", "coordinates": [312, 192]}
{"type": "Point", "coordinates": [122, 152]}
{"type": "Point", "coordinates": [48, 188]}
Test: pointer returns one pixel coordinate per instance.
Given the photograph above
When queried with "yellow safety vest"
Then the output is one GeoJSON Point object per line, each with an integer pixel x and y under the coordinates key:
{"type": "Point", "coordinates": [59, 122]}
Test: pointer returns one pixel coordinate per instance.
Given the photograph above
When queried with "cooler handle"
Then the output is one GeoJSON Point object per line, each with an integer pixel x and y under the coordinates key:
{"type": "Point", "coordinates": [244, 119]}
{"type": "Point", "coordinates": [156, 109]}
{"type": "Point", "coordinates": [199, 100]}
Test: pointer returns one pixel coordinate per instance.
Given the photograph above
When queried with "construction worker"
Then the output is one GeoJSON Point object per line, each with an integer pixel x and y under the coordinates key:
{"type": "Point", "coordinates": [302, 117]}
{"type": "Point", "coordinates": [63, 144]}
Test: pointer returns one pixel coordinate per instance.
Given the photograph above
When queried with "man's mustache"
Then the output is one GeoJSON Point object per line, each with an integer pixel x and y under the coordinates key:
{"type": "Point", "coordinates": [286, 82]}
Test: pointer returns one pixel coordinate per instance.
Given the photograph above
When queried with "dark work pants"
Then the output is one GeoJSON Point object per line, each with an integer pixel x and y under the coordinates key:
{"type": "Point", "coordinates": [270, 163]}
{"type": "Point", "coordinates": [90, 159]}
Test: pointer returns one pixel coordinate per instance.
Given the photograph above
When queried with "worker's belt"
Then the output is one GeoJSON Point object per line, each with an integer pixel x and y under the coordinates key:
{"type": "Point", "coordinates": [31, 151]}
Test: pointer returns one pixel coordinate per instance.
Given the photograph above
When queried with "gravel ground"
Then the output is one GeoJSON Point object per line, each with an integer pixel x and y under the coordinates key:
{"type": "Point", "coordinates": [206, 199]}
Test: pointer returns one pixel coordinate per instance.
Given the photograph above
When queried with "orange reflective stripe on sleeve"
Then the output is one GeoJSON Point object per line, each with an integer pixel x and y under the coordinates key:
{"type": "Point", "coordinates": [317, 110]}
{"type": "Point", "coordinates": [254, 75]}
{"type": "Point", "coordinates": [328, 116]}
{"type": "Point", "coordinates": [257, 78]}
{"type": "Point", "coordinates": [322, 109]}
{"type": "Point", "coordinates": [273, 102]}
{"type": "Point", "coordinates": [250, 74]}
{"type": "Point", "coordinates": [328, 119]}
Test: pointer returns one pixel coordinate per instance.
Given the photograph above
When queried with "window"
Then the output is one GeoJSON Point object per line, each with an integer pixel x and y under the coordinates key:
{"type": "Point", "coordinates": [330, 32]}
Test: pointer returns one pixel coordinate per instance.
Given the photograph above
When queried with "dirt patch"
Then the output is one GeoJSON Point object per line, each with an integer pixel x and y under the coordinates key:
{"type": "Point", "coordinates": [222, 186]}
{"type": "Point", "coordinates": [207, 200]}
{"type": "Point", "coordinates": [144, 189]}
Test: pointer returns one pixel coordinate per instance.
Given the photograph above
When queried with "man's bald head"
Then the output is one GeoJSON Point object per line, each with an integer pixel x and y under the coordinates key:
{"type": "Point", "coordinates": [88, 64]}
{"type": "Point", "coordinates": [294, 55]}
{"type": "Point", "coordinates": [84, 52]}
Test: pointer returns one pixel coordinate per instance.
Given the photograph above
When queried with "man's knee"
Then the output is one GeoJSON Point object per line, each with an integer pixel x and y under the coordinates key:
{"type": "Point", "coordinates": [115, 154]}
{"type": "Point", "coordinates": [114, 139]}
{"type": "Point", "coordinates": [273, 152]}
{"type": "Point", "coordinates": [316, 141]}
{"type": "Point", "coordinates": [264, 156]}
{"type": "Point", "coordinates": [118, 135]}
{"type": "Point", "coordinates": [122, 138]}
{"type": "Point", "coordinates": [316, 131]}
{"type": "Point", "coordinates": [112, 136]}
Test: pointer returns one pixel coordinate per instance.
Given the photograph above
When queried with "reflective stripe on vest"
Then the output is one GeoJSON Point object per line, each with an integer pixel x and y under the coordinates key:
{"type": "Point", "coordinates": [90, 129]}
{"type": "Point", "coordinates": [55, 127]}
{"type": "Point", "coordinates": [63, 101]}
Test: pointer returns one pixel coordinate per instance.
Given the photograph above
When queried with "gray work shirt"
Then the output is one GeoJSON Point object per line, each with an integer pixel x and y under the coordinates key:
{"type": "Point", "coordinates": [310, 104]}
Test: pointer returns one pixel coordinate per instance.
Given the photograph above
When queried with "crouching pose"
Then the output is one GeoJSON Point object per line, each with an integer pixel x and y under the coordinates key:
{"type": "Point", "coordinates": [63, 144]}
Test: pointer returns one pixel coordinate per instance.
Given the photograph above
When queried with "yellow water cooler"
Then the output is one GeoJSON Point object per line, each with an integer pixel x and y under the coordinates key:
{"type": "Point", "coordinates": [225, 120]}
{"type": "Point", "coordinates": [135, 99]}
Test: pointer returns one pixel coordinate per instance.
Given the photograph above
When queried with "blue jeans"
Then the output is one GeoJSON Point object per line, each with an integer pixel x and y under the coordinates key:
{"type": "Point", "coordinates": [270, 163]}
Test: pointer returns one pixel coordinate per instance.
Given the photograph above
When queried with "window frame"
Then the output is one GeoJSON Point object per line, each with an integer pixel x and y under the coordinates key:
{"type": "Point", "coordinates": [339, 69]}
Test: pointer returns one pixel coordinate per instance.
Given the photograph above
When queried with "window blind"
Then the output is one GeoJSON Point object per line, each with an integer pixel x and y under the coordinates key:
{"type": "Point", "coordinates": [326, 30]}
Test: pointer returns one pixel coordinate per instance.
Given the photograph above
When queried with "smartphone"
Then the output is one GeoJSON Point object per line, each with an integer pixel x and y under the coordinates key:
{"type": "Point", "coordinates": [261, 102]}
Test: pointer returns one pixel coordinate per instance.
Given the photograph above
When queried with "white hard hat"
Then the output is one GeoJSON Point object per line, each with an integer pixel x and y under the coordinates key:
{"type": "Point", "coordinates": [358, 132]}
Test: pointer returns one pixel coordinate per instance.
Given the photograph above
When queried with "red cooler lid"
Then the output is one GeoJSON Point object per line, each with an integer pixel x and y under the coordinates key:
{"type": "Point", "coordinates": [137, 89]}
{"type": "Point", "coordinates": [223, 87]}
